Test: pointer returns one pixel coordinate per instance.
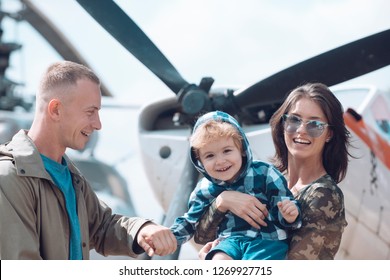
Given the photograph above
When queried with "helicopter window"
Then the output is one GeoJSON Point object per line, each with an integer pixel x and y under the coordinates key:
{"type": "Point", "coordinates": [352, 98]}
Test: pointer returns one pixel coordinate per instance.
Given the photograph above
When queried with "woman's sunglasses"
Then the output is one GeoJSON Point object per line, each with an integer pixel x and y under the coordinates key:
{"type": "Point", "coordinates": [314, 128]}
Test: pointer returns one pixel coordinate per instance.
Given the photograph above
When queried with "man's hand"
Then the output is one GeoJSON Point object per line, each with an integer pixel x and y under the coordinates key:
{"type": "Point", "coordinates": [156, 239]}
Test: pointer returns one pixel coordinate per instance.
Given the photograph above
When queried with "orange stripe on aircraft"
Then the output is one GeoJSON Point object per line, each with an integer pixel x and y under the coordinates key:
{"type": "Point", "coordinates": [374, 141]}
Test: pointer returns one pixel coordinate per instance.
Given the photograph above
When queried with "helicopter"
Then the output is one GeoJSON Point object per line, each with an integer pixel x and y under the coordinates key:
{"type": "Point", "coordinates": [164, 125]}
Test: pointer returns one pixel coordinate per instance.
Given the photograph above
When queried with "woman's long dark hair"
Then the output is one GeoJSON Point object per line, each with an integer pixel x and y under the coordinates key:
{"type": "Point", "coordinates": [335, 154]}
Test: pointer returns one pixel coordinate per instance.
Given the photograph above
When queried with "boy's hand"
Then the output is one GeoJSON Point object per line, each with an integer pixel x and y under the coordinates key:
{"type": "Point", "coordinates": [289, 210]}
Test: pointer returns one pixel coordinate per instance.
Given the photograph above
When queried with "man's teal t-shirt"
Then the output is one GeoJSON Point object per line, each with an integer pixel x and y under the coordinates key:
{"type": "Point", "coordinates": [61, 176]}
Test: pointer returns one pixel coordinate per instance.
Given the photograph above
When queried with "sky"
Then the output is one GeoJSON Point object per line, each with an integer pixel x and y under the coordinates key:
{"type": "Point", "coordinates": [237, 42]}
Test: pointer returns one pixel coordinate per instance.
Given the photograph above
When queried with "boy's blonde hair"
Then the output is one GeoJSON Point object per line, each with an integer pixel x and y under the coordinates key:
{"type": "Point", "coordinates": [211, 131]}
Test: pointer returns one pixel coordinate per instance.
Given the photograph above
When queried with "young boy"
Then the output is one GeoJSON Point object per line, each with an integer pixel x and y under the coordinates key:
{"type": "Point", "coordinates": [220, 151]}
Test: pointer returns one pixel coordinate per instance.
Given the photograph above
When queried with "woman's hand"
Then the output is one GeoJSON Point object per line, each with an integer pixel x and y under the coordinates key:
{"type": "Point", "coordinates": [245, 206]}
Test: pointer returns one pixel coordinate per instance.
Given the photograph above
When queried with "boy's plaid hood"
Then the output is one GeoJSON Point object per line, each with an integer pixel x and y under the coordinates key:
{"type": "Point", "coordinates": [222, 116]}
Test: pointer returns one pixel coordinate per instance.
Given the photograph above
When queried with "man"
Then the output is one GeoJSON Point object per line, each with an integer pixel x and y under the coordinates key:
{"type": "Point", "coordinates": [47, 208]}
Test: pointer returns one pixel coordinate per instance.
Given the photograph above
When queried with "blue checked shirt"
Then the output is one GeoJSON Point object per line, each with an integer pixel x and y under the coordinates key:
{"type": "Point", "coordinates": [258, 178]}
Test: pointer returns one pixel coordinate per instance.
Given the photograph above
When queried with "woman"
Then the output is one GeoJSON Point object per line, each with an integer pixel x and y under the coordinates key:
{"type": "Point", "coordinates": [311, 149]}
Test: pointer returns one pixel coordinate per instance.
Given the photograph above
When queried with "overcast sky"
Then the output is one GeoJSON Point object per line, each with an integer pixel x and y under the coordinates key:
{"type": "Point", "coordinates": [237, 42]}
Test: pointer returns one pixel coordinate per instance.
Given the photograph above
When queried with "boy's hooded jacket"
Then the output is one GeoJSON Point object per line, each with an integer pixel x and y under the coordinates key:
{"type": "Point", "coordinates": [257, 178]}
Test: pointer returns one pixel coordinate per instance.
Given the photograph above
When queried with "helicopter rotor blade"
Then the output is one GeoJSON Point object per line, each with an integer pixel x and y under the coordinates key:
{"type": "Point", "coordinates": [333, 67]}
{"type": "Point", "coordinates": [112, 18]}
{"type": "Point", "coordinates": [42, 24]}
